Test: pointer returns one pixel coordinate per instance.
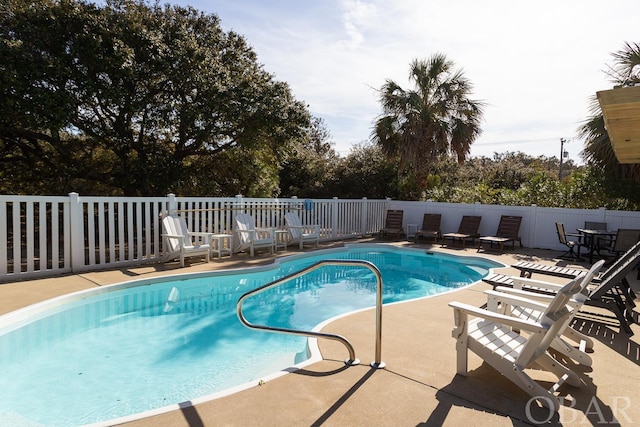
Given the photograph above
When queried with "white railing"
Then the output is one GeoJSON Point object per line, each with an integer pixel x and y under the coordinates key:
{"type": "Point", "coordinates": [45, 236]}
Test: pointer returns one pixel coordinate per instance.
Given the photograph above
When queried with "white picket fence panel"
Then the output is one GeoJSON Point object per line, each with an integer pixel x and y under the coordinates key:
{"type": "Point", "coordinates": [50, 235]}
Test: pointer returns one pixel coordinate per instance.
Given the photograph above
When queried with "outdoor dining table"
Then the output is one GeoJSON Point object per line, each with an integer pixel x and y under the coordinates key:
{"type": "Point", "coordinates": [592, 236]}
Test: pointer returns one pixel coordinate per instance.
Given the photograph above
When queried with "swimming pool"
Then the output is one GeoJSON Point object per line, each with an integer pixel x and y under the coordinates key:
{"type": "Point", "coordinates": [128, 348]}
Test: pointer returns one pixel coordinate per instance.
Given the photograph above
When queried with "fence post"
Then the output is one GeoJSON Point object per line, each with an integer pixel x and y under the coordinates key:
{"type": "Point", "coordinates": [334, 218]}
{"type": "Point", "coordinates": [76, 232]}
{"type": "Point", "coordinates": [533, 227]}
{"type": "Point", "coordinates": [172, 204]}
{"type": "Point", "coordinates": [238, 205]}
{"type": "Point", "coordinates": [364, 227]}
{"type": "Point", "coordinates": [603, 214]}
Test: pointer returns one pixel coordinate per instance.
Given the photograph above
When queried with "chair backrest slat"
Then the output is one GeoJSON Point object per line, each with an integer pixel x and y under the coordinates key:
{"type": "Point", "coordinates": [293, 220]}
{"type": "Point", "coordinates": [394, 219]}
{"type": "Point", "coordinates": [554, 318]}
{"type": "Point", "coordinates": [470, 225]}
{"type": "Point", "coordinates": [169, 227]}
{"type": "Point", "coordinates": [562, 236]}
{"type": "Point", "coordinates": [509, 226]}
{"type": "Point", "coordinates": [632, 255]}
{"type": "Point", "coordinates": [244, 221]}
{"type": "Point", "coordinates": [431, 222]}
{"type": "Point", "coordinates": [625, 239]}
{"type": "Point", "coordinates": [617, 272]}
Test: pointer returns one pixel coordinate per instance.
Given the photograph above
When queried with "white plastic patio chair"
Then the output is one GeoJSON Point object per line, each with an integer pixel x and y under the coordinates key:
{"type": "Point", "coordinates": [497, 339]}
{"type": "Point", "coordinates": [250, 237]}
{"type": "Point", "coordinates": [498, 301]}
{"type": "Point", "coordinates": [301, 233]}
{"type": "Point", "coordinates": [181, 243]}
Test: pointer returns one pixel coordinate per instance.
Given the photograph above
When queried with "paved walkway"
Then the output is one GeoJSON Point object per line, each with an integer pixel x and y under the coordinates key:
{"type": "Point", "coordinates": [418, 386]}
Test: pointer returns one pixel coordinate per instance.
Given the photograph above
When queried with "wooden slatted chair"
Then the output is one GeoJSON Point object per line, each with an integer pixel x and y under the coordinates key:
{"type": "Point", "coordinates": [430, 227]}
{"type": "Point", "coordinates": [508, 231]}
{"type": "Point", "coordinates": [625, 238]}
{"type": "Point", "coordinates": [468, 229]}
{"type": "Point", "coordinates": [393, 224]}
{"type": "Point", "coordinates": [610, 290]}
{"type": "Point", "coordinates": [511, 345]}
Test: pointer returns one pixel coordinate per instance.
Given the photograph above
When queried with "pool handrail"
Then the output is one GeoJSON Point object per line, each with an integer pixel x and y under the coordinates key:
{"type": "Point", "coordinates": [377, 363]}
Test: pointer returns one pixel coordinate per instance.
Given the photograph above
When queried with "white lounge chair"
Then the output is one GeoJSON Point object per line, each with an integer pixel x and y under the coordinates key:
{"type": "Point", "coordinates": [498, 301]}
{"type": "Point", "coordinates": [496, 338]}
{"type": "Point", "coordinates": [180, 242]}
{"type": "Point", "coordinates": [301, 233]}
{"type": "Point", "coordinates": [250, 237]}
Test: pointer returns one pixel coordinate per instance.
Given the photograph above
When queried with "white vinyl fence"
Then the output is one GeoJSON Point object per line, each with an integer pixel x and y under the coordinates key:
{"type": "Point", "coordinates": [43, 236]}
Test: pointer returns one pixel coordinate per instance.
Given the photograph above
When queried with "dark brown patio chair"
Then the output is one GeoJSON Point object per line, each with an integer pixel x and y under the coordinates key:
{"type": "Point", "coordinates": [430, 227]}
{"type": "Point", "coordinates": [616, 295]}
{"type": "Point", "coordinates": [393, 224]}
{"type": "Point", "coordinates": [508, 231]}
{"type": "Point", "coordinates": [587, 239]}
{"type": "Point", "coordinates": [468, 229]}
{"type": "Point", "coordinates": [564, 238]}
{"type": "Point", "coordinates": [624, 239]}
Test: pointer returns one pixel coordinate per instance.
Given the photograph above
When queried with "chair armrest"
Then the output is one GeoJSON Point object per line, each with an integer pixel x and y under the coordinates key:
{"type": "Point", "coordinates": [514, 322]}
{"type": "Point", "coordinates": [516, 300]}
{"type": "Point", "coordinates": [180, 238]}
{"type": "Point", "coordinates": [544, 299]}
{"type": "Point", "coordinates": [520, 282]}
{"type": "Point", "coordinates": [578, 236]}
{"type": "Point", "coordinates": [251, 233]}
{"type": "Point", "coordinates": [269, 232]}
{"type": "Point", "coordinates": [303, 228]}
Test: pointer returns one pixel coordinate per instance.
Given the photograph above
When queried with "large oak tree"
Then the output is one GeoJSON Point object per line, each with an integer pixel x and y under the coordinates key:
{"type": "Point", "coordinates": [136, 99]}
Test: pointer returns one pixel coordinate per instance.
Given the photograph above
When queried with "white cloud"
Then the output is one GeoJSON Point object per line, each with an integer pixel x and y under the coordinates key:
{"type": "Point", "coordinates": [535, 63]}
{"type": "Point", "coordinates": [356, 16]}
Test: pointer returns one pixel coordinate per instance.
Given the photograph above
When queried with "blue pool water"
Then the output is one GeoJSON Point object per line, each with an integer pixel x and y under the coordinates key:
{"type": "Point", "coordinates": [130, 348]}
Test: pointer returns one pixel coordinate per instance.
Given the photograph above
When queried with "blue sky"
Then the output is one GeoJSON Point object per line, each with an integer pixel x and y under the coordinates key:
{"type": "Point", "coordinates": [535, 63]}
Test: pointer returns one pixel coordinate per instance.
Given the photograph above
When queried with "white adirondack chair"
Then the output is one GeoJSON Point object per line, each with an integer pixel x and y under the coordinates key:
{"type": "Point", "coordinates": [301, 233]}
{"type": "Point", "coordinates": [180, 242]}
{"type": "Point", "coordinates": [250, 237]}
{"type": "Point", "coordinates": [496, 339]}
{"type": "Point", "coordinates": [499, 300]}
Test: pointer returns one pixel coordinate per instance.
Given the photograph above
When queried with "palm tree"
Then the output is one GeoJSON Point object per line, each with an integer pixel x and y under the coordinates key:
{"type": "Point", "coordinates": [435, 120]}
{"type": "Point", "coordinates": [598, 149]}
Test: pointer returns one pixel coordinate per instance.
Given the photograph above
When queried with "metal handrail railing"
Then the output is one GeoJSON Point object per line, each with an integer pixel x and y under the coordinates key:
{"type": "Point", "coordinates": [377, 363]}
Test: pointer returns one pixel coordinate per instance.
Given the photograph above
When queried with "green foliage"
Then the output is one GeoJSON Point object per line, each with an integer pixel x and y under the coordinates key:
{"type": "Point", "coordinates": [598, 150]}
{"type": "Point", "coordinates": [434, 121]}
{"type": "Point", "coordinates": [586, 187]}
{"type": "Point", "coordinates": [134, 99]}
{"type": "Point", "coordinates": [310, 168]}
{"type": "Point", "coordinates": [367, 172]}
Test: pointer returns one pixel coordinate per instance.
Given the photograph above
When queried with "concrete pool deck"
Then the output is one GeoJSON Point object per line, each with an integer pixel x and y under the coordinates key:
{"type": "Point", "coordinates": [418, 386]}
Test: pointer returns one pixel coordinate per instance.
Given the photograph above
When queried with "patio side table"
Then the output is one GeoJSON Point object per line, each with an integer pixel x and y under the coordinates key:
{"type": "Point", "coordinates": [281, 239]}
{"type": "Point", "coordinates": [221, 244]}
